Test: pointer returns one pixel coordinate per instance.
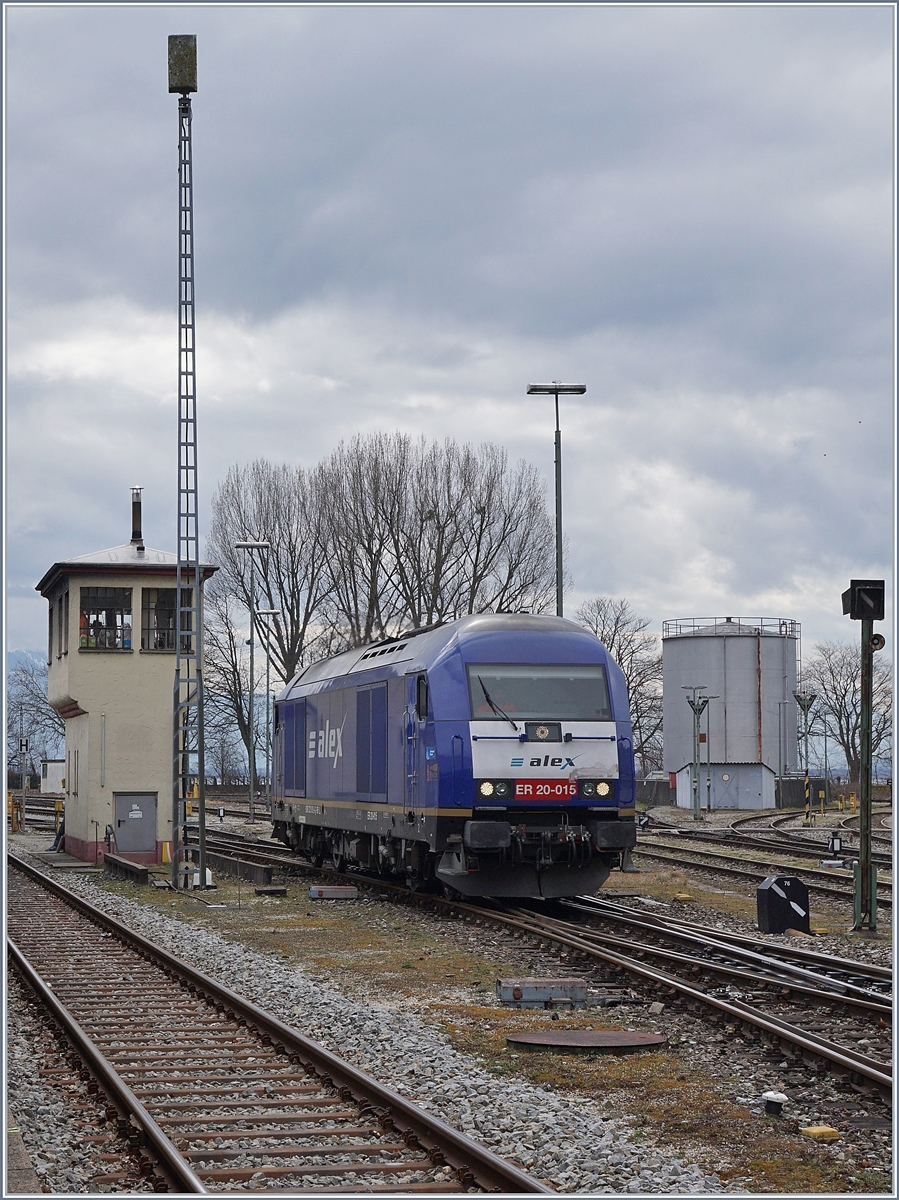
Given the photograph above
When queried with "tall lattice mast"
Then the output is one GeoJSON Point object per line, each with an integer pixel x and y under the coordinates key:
{"type": "Point", "coordinates": [187, 708]}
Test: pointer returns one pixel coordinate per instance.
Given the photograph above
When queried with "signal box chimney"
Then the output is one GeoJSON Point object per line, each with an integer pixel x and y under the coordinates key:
{"type": "Point", "coordinates": [137, 537]}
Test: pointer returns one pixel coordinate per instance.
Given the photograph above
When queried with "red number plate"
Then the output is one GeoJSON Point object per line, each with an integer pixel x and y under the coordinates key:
{"type": "Point", "coordinates": [544, 789]}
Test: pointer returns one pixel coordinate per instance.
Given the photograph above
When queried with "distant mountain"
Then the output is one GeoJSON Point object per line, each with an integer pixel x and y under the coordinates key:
{"type": "Point", "coordinates": [15, 658]}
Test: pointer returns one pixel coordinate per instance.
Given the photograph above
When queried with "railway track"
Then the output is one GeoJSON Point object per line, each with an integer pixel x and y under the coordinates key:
{"type": "Point", "coordinates": [700, 952]}
{"type": "Point", "coordinates": [215, 1093]}
{"type": "Point", "coordinates": [757, 1021]}
{"type": "Point", "coordinates": [791, 847]}
{"type": "Point", "coordinates": [762, 871]}
{"type": "Point", "coordinates": [779, 824]}
{"type": "Point", "coordinates": [790, 975]}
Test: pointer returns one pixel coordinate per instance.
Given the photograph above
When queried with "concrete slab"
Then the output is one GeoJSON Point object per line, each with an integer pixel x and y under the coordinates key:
{"type": "Point", "coordinates": [21, 1177]}
{"type": "Point", "coordinates": [586, 1041]}
{"type": "Point", "coordinates": [65, 862]}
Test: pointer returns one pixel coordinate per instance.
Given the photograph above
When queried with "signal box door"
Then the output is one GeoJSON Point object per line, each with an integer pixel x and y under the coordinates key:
{"type": "Point", "coordinates": [135, 823]}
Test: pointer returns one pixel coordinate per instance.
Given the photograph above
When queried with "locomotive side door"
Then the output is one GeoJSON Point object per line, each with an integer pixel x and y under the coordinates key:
{"type": "Point", "coordinates": [278, 753]}
{"type": "Point", "coordinates": [415, 718]}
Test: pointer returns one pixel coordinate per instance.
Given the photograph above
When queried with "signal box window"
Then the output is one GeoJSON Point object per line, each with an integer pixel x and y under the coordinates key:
{"type": "Point", "coordinates": [157, 619]}
{"type": "Point", "coordinates": [105, 621]}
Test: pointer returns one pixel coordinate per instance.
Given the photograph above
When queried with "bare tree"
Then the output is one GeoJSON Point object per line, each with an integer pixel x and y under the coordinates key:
{"type": "Point", "coordinates": [834, 672]}
{"type": "Point", "coordinates": [27, 703]}
{"type": "Point", "coordinates": [385, 533]}
{"type": "Point", "coordinates": [227, 672]}
{"type": "Point", "coordinates": [623, 633]}
{"type": "Point", "coordinates": [224, 760]}
{"type": "Point", "coordinates": [466, 532]}
{"type": "Point", "coordinates": [509, 559]}
{"type": "Point", "coordinates": [357, 487]}
{"type": "Point", "coordinates": [281, 505]}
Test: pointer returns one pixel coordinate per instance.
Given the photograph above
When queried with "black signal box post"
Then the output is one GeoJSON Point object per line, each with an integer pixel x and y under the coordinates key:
{"type": "Point", "coordinates": [782, 904]}
{"type": "Point", "coordinates": [865, 601]}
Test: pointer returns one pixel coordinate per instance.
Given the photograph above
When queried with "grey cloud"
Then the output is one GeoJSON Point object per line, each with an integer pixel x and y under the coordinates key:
{"type": "Point", "coordinates": [689, 208]}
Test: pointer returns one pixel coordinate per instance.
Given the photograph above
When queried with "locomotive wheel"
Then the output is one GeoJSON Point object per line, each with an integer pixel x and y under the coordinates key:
{"type": "Point", "coordinates": [338, 862]}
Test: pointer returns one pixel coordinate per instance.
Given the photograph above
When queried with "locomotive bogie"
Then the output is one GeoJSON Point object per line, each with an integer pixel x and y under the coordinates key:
{"type": "Point", "coordinates": [492, 755]}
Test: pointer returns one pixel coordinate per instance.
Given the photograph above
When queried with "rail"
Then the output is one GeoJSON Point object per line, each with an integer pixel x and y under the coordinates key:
{"type": "Point", "coordinates": [365, 1099]}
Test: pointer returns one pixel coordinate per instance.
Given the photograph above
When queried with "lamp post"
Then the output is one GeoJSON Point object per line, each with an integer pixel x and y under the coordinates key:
{"type": "Point", "coordinates": [557, 389]}
{"type": "Point", "coordinates": [698, 705]}
{"type": "Point", "coordinates": [805, 699]}
{"type": "Point", "coordinates": [268, 612]}
{"type": "Point", "coordinates": [251, 756]}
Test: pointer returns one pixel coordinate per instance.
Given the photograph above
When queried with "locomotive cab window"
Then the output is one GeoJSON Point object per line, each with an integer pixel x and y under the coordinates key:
{"type": "Point", "coordinates": [539, 691]}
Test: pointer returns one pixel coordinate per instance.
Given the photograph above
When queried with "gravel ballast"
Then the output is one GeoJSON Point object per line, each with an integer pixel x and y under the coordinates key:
{"type": "Point", "coordinates": [566, 1141]}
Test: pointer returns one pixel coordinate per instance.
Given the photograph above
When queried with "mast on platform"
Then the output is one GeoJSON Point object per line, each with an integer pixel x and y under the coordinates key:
{"type": "Point", "coordinates": [187, 709]}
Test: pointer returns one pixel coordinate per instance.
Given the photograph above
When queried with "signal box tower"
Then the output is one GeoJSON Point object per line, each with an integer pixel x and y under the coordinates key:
{"type": "Point", "coordinates": [187, 708]}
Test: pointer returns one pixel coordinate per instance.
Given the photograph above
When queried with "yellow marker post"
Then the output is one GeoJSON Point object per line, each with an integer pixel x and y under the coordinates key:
{"type": "Point", "coordinates": [842, 801]}
{"type": "Point", "coordinates": [853, 801]}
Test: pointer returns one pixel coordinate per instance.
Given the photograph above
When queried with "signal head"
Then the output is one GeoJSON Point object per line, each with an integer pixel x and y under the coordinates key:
{"type": "Point", "coordinates": [182, 62]}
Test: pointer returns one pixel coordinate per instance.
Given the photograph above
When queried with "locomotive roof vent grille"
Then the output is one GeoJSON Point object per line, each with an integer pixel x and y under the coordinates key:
{"type": "Point", "coordinates": [386, 650]}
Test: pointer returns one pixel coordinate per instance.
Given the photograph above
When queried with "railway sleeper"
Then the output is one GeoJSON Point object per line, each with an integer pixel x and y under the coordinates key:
{"type": "Point", "coordinates": [357, 1166]}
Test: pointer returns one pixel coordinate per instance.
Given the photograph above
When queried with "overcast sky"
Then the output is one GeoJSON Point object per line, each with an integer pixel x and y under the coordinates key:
{"type": "Point", "coordinates": [405, 215]}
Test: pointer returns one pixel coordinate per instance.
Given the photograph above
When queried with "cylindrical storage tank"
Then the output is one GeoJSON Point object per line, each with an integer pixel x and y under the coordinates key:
{"type": "Point", "coordinates": [749, 666]}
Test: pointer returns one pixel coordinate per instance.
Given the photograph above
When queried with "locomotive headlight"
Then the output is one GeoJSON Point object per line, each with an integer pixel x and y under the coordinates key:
{"type": "Point", "coordinates": [602, 789]}
{"type": "Point", "coordinates": [486, 788]}
{"type": "Point", "coordinates": [502, 788]}
{"type": "Point", "coordinates": [588, 788]}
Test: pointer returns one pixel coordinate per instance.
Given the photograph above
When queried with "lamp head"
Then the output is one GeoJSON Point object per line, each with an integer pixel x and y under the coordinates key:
{"type": "Point", "coordinates": [556, 389]}
{"type": "Point", "coordinates": [182, 62]}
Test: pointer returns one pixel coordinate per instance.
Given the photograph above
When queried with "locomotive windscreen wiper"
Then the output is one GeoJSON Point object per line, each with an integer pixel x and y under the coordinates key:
{"type": "Point", "coordinates": [496, 708]}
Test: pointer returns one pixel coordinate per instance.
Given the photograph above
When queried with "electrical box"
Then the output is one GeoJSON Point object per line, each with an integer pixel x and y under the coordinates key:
{"type": "Point", "coordinates": [782, 904]}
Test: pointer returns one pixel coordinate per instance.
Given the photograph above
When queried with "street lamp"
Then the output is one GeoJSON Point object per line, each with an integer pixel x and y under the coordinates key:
{"type": "Point", "coordinates": [558, 389]}
{"type": "Point", "coordinates": [698, 706]}
{"type": "Point", "coordinates": [268, 612]}
{"type": "Point", "coordinates": [805, 699]}
{"type": "Point", "coordinates": [251, 546]}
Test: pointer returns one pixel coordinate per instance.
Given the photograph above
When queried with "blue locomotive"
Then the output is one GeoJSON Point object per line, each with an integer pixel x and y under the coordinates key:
{"type": "Point", "coordinates": [492, 754]}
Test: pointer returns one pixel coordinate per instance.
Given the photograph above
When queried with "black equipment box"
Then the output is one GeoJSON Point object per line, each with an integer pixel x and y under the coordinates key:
{"type": "Point", "coordinates": [783, 904]}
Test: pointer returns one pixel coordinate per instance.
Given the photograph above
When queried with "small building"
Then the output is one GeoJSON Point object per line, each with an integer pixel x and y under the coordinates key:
{"type": "Point", "coordinates": [53, 772]}
{"type": "Point", "coordinates": [111, 661]}
{"type": "Point", "coordinates": [748, 731]}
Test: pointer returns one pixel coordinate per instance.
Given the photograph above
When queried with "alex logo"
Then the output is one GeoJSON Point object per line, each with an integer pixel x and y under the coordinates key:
{"type": "Point", "coordinates": [562, 763]}
{"type": "Point", "coordinates": [327, 742]}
